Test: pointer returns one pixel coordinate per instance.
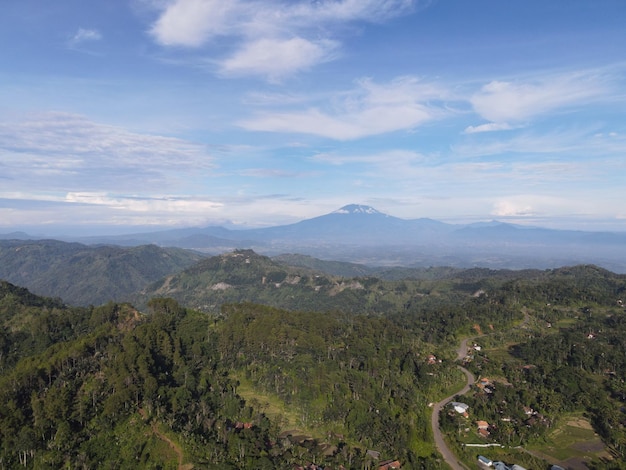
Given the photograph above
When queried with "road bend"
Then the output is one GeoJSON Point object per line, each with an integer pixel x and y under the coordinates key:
{"type": "Point", "coordinates": [447, 454]}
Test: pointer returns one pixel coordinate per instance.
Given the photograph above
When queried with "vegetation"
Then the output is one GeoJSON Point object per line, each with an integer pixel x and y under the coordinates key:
{"type": "Point", "coordinates": [273, 372]}
{"type": "Point", "coordinates": [560, 376]}
{"type": "Point", "coordinates": [88, 275]}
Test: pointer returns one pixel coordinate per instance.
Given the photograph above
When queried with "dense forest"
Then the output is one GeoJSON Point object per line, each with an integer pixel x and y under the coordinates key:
{"type": "Point", "coordinates": [88, 275]}
{"type": "Point", "coordinates": [253, 384]}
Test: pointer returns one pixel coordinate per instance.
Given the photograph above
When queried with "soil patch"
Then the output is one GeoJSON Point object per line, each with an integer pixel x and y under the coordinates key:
{"type": "Point", "coordinates": [579, 423]}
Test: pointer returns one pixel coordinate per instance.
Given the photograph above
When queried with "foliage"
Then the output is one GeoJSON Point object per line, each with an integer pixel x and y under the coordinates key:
{"type": "Point", "coordinates": [88, 275]}
{"type": "Point", "coordinates": [349, 361]}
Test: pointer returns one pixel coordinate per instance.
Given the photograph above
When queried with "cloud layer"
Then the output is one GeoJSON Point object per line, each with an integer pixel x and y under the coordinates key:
{"type": "Point", "coordinates": [369, 109]}
{"type": "Point", "coordinates": [508, 104]}
{"type": "Point", "coordinates": [67, 152]}
{"type": "Point", "coordinates": [172, 110]}
{"type": "Point", "coordinates": [272, 38]}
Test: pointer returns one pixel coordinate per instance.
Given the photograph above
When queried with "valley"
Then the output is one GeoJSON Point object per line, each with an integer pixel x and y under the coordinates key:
{"type": "Point", "coordinates": [244, 361]}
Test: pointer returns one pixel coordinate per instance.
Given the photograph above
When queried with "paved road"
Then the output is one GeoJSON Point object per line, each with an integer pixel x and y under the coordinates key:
{"type": "Point", "coordinates": [462, 351]}
{"type": "Point", "coordinates": [442, 447]}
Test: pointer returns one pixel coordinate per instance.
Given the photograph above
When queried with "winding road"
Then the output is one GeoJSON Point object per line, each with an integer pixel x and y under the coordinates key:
{"type": "Point", "coordinates": [440, 443]}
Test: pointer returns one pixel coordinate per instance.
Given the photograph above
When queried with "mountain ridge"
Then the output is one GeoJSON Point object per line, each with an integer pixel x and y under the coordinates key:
{"type": "Point", "coordinates": [362, 234]}
{"type": "Point", "coordinates": [84, 275]}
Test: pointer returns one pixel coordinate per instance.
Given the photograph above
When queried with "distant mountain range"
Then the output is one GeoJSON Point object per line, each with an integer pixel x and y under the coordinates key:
{"type": "Point", "coordinates": [361, 234]}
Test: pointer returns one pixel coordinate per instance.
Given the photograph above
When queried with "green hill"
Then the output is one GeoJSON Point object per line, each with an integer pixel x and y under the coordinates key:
{"type": "Point", "coordinates": [254, 386]}
{"type": "Point", "coordinates": [245, 276]}
{"type": "Point", "coordinates": [87, 275]}
{"type": "Point", "coordinates": [114, 388]}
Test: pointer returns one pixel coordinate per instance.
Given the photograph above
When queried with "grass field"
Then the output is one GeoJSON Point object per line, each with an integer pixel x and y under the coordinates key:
{"type": "Point", "coordinates": [271, 405]}
{"type": "Point", "coordinates": [574, 441]}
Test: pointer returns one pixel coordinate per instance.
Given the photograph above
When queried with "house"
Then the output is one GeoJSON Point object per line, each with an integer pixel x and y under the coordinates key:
{"type": "Point", "coordinates": [389, 465]}
{"type": "Point", "coordinates": [432, 359]}
{"type": "Point", "coordinates": [459, 407]}
{"type": "Point", "coordinates": [483, 433]}
{"type": "Point", "coordinates": [482, 424]}
{"type": "Point", "coordinates": [500, 466]}
{"type": "Point", "coordinates": [484, 461]}
{"type": "Point", "coordinates": [531, 421]}
{"type": "Point", "coordinates": [483, 382]}
{"type": "Point", "coordinates": [240, 425]}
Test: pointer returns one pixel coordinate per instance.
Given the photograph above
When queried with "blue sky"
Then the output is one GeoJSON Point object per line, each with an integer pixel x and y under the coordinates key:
{"type": "Point", "coordinates": [124, 115]}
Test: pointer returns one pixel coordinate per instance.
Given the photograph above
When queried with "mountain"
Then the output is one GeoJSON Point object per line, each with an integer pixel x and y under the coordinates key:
{"type": "Point", "coordinates": [354, 225]}
{"type": "Point", "coordinates": [84, 275]}
{"type": "Point", "coordinates": [245, 276]}
{"type": "Point", "coordinates": [361, 234]}
{"type": "Point", "coordinates": [15, 236]}
{"type": "Point", "coordinates": [108, 387]}
{"type": "Point", "coordinates": [294, 282]}
{"type": "Point", "coordinates": [298, 282]}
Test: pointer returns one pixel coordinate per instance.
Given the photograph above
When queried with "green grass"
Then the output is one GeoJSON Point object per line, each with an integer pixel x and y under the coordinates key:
{"type": "Point", "coordinates": [270, 404]}
{"type": "Point", "coordinates": [573, 437]}
{"type": "Point", "coordinates": [138, 443]}
{"type": "Point", "coordinates": [565, 323]}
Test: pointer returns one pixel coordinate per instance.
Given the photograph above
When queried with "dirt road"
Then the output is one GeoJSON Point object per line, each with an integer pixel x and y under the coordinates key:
{"type": "Point", "coordinates": [442, 447]}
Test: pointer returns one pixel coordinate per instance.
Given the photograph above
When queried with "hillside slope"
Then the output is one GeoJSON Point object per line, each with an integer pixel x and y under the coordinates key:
{"type": "Point", "coordinates": [84, 275]}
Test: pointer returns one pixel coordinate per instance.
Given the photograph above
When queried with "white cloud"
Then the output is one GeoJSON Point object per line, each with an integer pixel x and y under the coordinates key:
{"type": "Point", "coordinates": [391, 158]}
{"type": "Point", "coordinates": [275, 99]}
{"type": "Point", "coordinates": [191, 23]}
{"type": "Point", "coordinates": [97, 208]}
{"type": "Point", "coordinates": [85, 35]}
{"type": "Point", "coordinates": [163, 204]}
{"type": "Point", "coordinates": [566, 143]}
{"type": "Point", "coordinates": [277, 173]}
{"type": "Point", "coordinates": [272, 38]}
{"type": "Point", "coordinates": [536, 205]}
{"type": "Point", "coordinates": [65, 151]}
{"type": "Point", "coordinates": [504, 103]}
{"type": "Point", "coordinates": [276, 59]}
{"type": "Point", "coordinates": [74, 135]}
{"type": "Point", "coordinates": [510, 208]}
{"type": "Point", "coordinates": [370, 109]}
{"type": "Point", "coordinates": [489, 127]}
{"type": "Point", "coordinates": [349, 10]}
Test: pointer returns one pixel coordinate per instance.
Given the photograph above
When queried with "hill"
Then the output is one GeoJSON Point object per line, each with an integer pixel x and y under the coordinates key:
{"type": "Point", "coordinates": [260, 387]}
{"type": "Point", "coordinates": [361, 234]}
{"type": "Point", "coordinates": [245, 276]}
{"type": "Point", "coordinates": [84, 275]}
{"type": "Point", "coordinates": [108, 387]}
{"type": "Point", "coordinates": [347, 269]}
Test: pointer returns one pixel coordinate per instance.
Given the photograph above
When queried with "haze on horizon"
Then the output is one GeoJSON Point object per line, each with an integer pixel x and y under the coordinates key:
{"type": "Point", "coordinates": [146, 114]}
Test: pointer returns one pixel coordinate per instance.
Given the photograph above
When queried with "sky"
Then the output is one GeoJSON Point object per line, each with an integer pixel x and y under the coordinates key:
{"type": "Point", "coordinates": [131, 115]}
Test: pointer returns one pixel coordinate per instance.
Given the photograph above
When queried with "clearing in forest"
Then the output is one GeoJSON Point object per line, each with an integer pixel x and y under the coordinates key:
{"type": "Point", "coordinates": [572, 443]}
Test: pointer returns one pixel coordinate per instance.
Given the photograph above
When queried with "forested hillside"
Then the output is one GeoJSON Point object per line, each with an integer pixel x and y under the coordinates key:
{"type": "Point", "coordinates": [245, 276]}
{"type": "Point", "coordinates": [87, 275]}
{"type": "Point", "coordinates": [561, 373]}
{"type": "Point", "coordinates": [111, 387]}
{"type": "Point", "coordinates": [245, 385]}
